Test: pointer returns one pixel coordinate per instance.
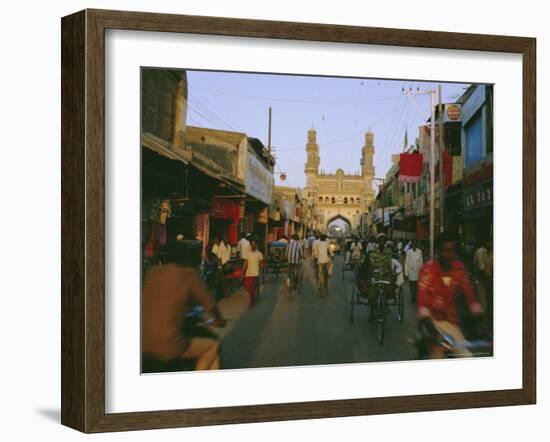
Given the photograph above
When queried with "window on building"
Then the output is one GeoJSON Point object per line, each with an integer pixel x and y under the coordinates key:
{"type": "Point", "coordinates": [473, 145]}
{"type": "Point", "coordinates": [326, 199]}
{"type": "Point", "coordinates": [320, 199]}
{"type": "Point", "coordinates": [345, 200]}
{"type": "Point", "coordinates": [352, 200]}
{"type": "Point", "coordinates": [333, 200]}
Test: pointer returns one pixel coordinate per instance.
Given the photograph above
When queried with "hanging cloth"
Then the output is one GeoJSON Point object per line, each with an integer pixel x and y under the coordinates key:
{"type": "Point", "coordinates": [410, 167]}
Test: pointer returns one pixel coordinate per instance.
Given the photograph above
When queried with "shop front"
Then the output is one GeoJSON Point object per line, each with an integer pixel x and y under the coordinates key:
{"type": "Point", "coordinates": [225, 218]}
{"type": "Point", "coordinates": [255, 221]}
{"type": "Point", "coordinates": [478, 211]}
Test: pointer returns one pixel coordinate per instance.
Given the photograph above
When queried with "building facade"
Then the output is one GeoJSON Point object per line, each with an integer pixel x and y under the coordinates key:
{"type": "Point", "coordinates": [339, 195]}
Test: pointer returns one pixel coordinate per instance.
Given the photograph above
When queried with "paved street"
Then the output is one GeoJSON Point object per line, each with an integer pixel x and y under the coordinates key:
{"type": "Point", "coordinates": [310, 330]}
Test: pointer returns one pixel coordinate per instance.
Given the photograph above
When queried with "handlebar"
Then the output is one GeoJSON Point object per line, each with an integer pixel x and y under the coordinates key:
{"type": "Point", "coordinates": [380, 281]}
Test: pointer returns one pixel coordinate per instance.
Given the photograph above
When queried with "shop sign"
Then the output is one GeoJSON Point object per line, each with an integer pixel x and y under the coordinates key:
{"type": "Point", "coordinates": [259, 179]}
{"type": "Point", "coordinates": [473, 103]}
{"type": "Point", "coordinates": [478, 195]}
{"type": "Point", "coordinates": [453, 113]}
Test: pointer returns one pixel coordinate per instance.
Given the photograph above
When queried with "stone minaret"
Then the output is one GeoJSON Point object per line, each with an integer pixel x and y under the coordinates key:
{"type": "Point", "coordinates": [367, 165]}
{"type": "Point", "coordinates": [312, 162]}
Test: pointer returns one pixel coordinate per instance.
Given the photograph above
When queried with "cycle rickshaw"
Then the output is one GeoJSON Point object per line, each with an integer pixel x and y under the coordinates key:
{"type": "Point", "coordinates": [276, 261]}
{"type": "Point", "coordinates": [388, 295]}
{"type": "Point", "coordinates": [351, 265]}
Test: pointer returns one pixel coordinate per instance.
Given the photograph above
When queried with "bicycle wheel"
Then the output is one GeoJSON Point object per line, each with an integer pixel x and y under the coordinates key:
{"type": "Point", "coordinates": [353, 301]}
{"type": "Point", "coordinates": [401, 306]}
{"type": "Point", "coordinates": [292, 284]}
{"type": "Point", "coordinates": [381, 316]}
{"type": "Point", "coordinates": [323, 280]}
{"type": "Point", "coordinates": [299, 279]}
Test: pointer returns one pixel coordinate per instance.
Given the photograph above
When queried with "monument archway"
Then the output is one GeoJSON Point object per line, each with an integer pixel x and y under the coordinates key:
{"type": "Point", "coordinates": [338, 226]}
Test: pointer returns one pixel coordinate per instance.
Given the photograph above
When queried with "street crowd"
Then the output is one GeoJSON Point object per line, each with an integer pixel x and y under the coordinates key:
{"type": "Point", "coordinates": [453, 292]}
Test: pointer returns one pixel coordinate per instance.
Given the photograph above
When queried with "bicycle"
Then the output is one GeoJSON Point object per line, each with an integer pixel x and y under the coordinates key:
{"type": "Point", "coordinates": [323, 279]}
{"type": "Point", "coordinates": [380, 308]}
{"type": "Point", "coordinates": [295, 277]}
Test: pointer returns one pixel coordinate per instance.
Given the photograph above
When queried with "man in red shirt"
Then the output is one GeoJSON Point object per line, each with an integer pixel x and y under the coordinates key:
{"type": "Point", "coordinates": [439, 283]}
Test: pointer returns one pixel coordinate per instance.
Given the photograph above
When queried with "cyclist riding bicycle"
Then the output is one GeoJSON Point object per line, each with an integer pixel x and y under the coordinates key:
{"type": "Point", "coordinates": [323, 253]}
{"type": "Point", "coordinates": [295, 257]}
{"type": "Point", "coordinates": [356, 251]}
{"type": "Point", "coordinates": [440, 282]}
{"type": "Point", "coordinates": [378, 265]}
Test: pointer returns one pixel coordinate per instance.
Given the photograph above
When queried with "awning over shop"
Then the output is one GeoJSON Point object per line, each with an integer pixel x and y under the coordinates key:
{"type": "Point", "coordinates": [161, 147]}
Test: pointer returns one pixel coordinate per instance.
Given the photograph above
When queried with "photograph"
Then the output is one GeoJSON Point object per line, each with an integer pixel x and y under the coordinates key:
{"type": "Point", "coordinates": [303, 220]}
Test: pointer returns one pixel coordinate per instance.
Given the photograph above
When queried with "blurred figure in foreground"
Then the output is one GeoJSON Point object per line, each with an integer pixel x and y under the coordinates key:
{"type": "Point", "coordinates": [168, 293]}
{"type": "Point", "coordinates": [439, 283]}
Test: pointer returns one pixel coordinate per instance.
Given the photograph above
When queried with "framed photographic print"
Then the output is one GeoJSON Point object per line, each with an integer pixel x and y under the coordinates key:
{"type": "Point", "coordinates": [270, 220]}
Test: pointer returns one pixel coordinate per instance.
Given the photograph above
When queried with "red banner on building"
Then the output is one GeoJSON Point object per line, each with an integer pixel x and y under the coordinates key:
{"type": "Point", "coordinates": [410, 167]}
{"type": "Point", "coordinates": [225, 208]}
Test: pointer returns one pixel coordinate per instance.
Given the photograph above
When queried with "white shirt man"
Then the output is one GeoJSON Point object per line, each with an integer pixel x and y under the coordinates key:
{"type": "Point", "coordinates": [322, 250]}
{"type": "Point", "coordinates": [356, 249]}
{"type": "Point", "coordinates": [397, 270]}
{"type": "Point", "coordinates": [243, 247]}
{"type": "Point", "coordinates": [371, 246]}
{"type": "Point", "coordinates": [222, 251]}
{"type": "Point", "coordinates": [413, 263]}
{"type": "Point", "coordinates": [253, 258]}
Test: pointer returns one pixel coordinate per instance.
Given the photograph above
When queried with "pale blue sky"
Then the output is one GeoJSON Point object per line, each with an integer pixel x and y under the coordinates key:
{"type": "Point", "coordinates": [340, 109]}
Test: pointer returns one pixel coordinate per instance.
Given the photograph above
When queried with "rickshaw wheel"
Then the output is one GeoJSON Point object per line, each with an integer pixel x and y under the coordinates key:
{"type": "Point", "coordinates": [401, 306]}
{"type": "Point", "coordinates": [353, 301]}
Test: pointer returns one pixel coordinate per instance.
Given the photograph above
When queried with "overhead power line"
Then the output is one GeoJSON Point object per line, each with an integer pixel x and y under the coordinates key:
{"type": "Point", "coordinates": [294, 100]}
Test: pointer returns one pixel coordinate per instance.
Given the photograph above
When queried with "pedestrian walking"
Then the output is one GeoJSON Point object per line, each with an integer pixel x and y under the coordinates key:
{"type": "Point", "coordinates": [483, 276]}
{"type": "Point", "coordinates": [295, 257]}
{"type": "Point", "coordinates": [356, 251]}
{"type": "Point", "coordinates": [221, 252]}
{"type": "Point", "coordinates": [251, 272]}
{"type": "Point", "coordinates": [243, 246]}
{"type": "Point", "coordinates": [413, 263]}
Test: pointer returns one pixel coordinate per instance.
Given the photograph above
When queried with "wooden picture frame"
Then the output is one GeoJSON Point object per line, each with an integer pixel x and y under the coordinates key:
{"type": "Point", "coordinates": [83, 210]}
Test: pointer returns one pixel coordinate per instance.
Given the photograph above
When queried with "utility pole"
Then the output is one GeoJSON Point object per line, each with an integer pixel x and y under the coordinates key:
{"type": "Point", "coordinates": [441, 169]}
{"type": "Point", "coordinates": [432, 177]}
{"type": "Point", "coordinates": [269, 159]}
{"type": "Point", "coordinates": [432, 93]}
